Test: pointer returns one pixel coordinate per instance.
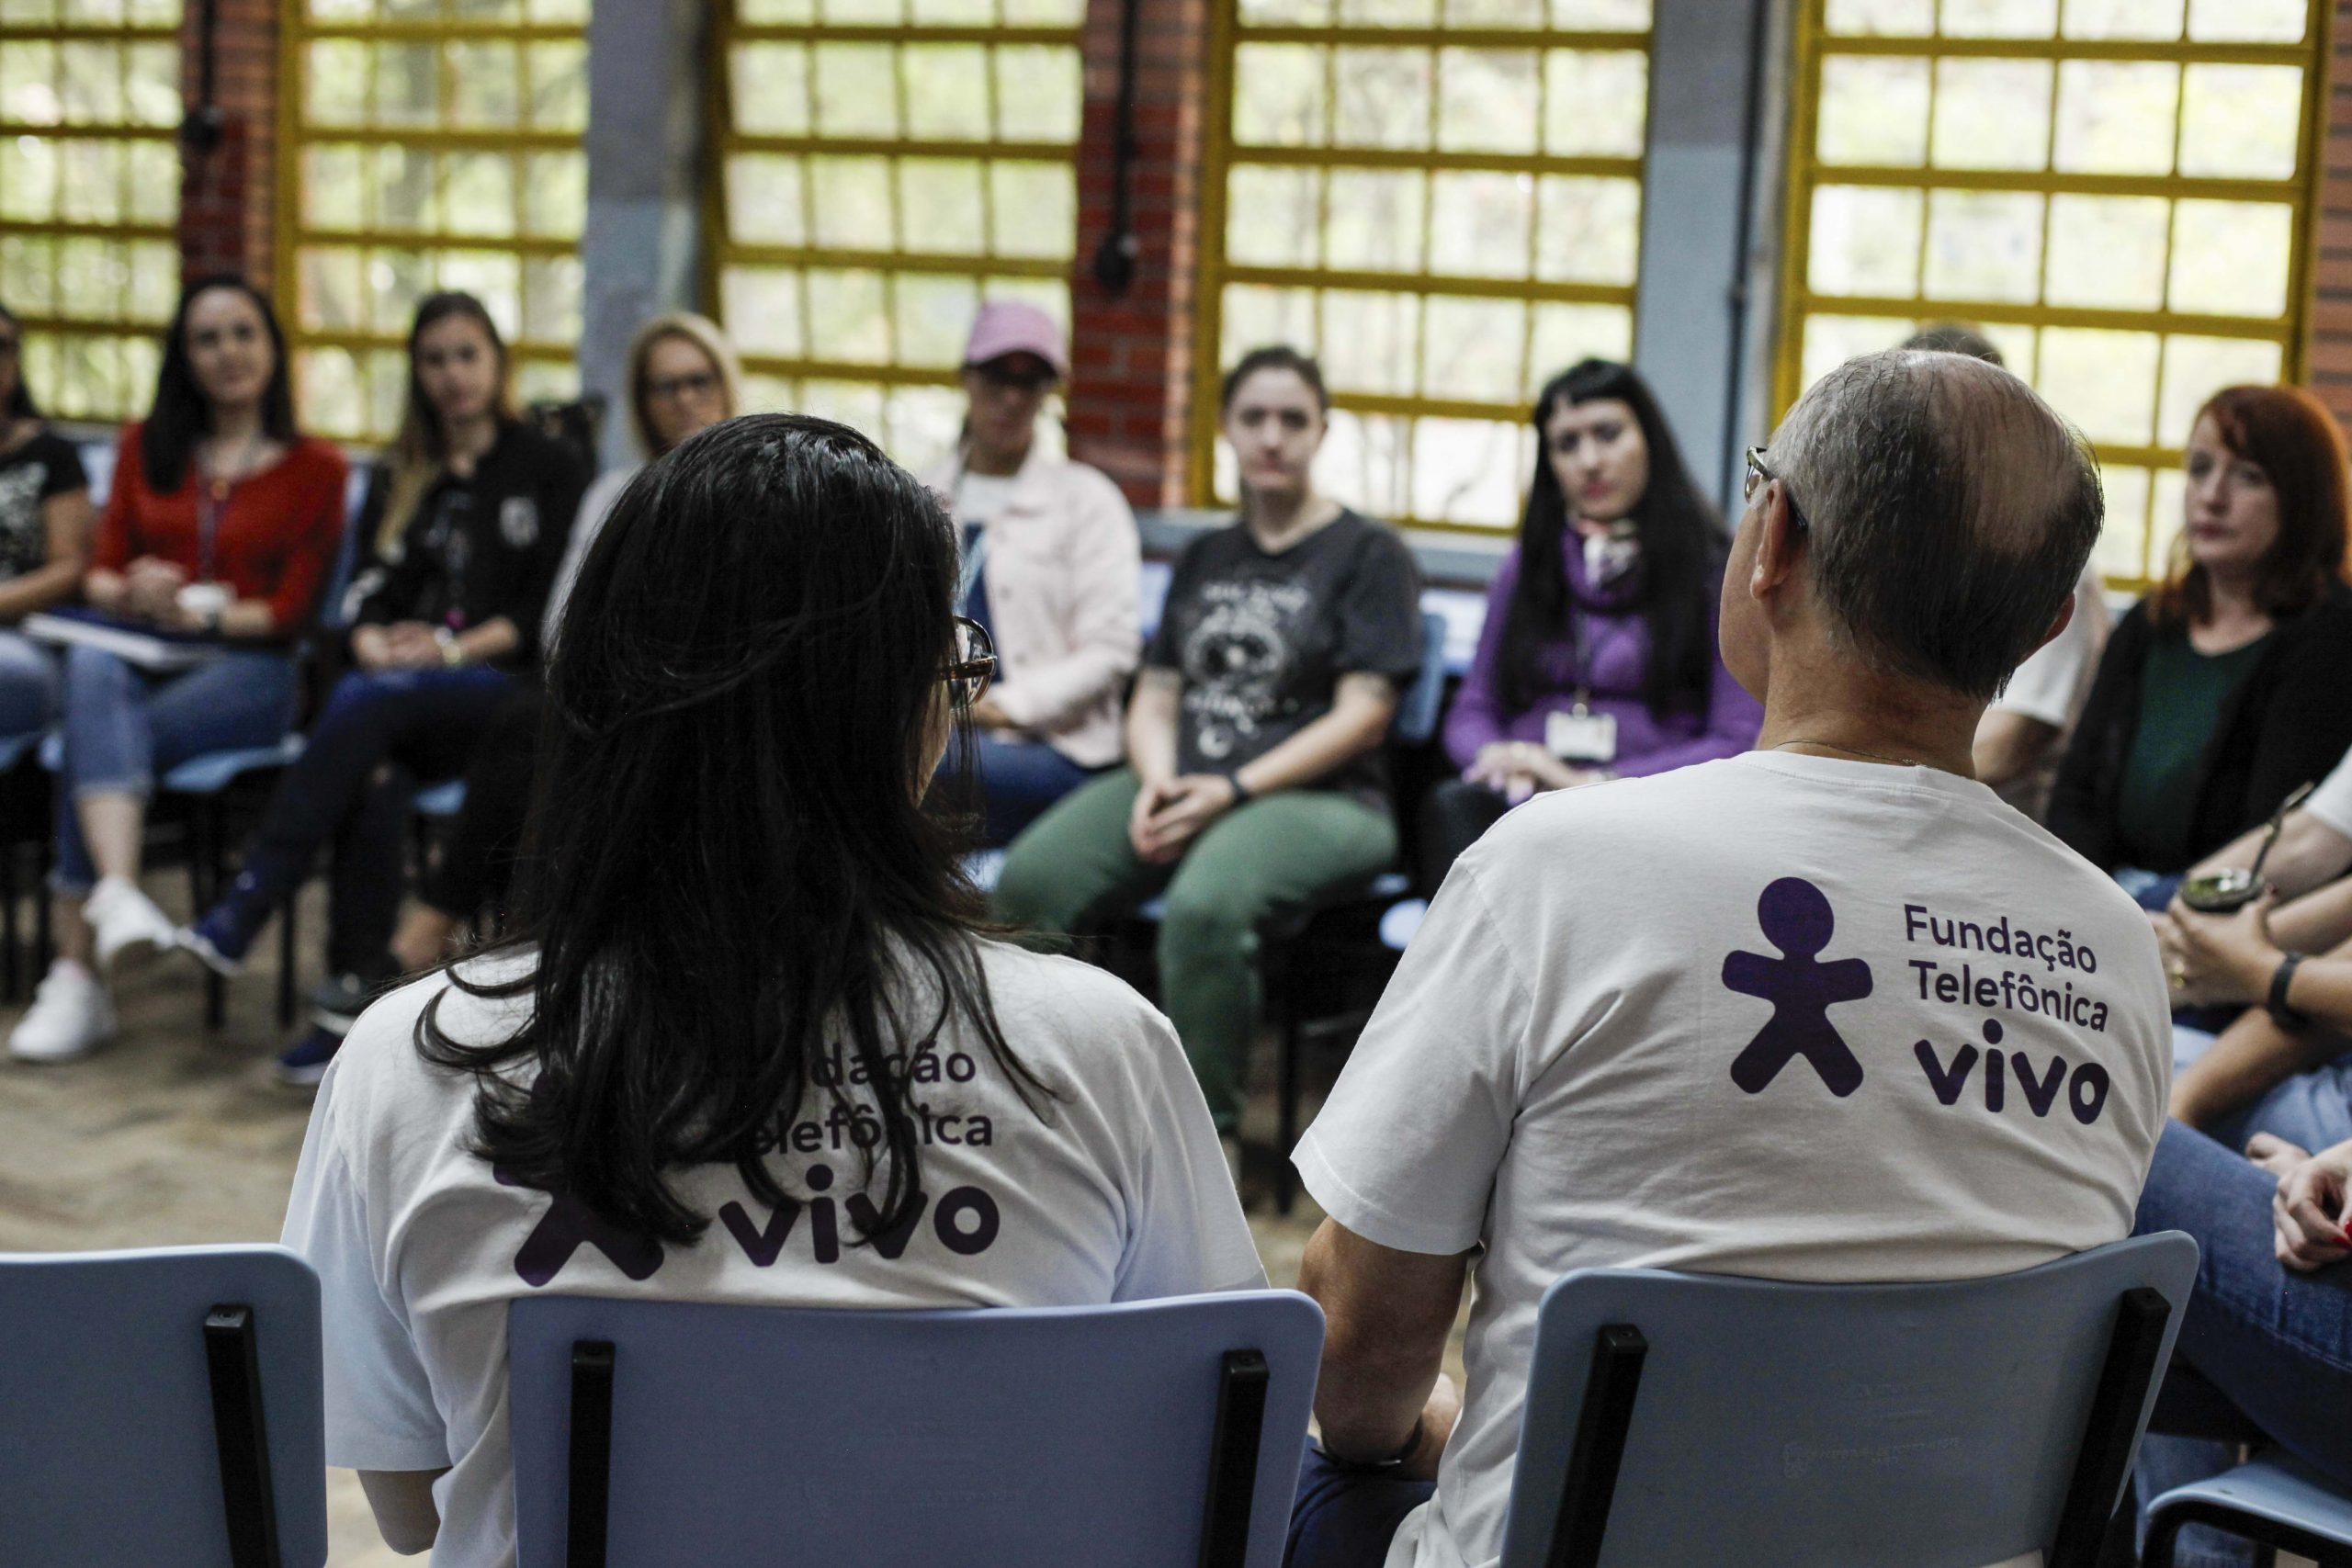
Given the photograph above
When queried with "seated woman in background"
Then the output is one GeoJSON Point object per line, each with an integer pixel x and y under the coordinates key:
{"type": "Point", "coordinates": [1598, 659]}
{"type": "Point", "coordinates": [736, 885]}
{"type": "Point", "coordinates": [222, 526]}
{"type": "Point", "coordinates": [44, 537]}
{"type": "Point", "coordinates": [1051, 567]}
{"type": "Point", "coordinates": [465, 525]}
{"type": "Point", "coordinates": [2230, 685]}
{"type": "Point", "coordinates": [683, 378]}
{"type": "Point", "coordinates": [1255, 783]}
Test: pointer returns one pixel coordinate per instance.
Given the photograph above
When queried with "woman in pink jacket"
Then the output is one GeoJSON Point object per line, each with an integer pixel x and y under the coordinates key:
{"type": "Point", "coordinates": [1051, 567]}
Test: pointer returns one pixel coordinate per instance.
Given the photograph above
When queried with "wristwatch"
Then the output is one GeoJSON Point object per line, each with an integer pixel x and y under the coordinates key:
{"type": "Point", "coordinates": [1241, 792]}
{"type": "Point", "coordinates": [2282, 979]}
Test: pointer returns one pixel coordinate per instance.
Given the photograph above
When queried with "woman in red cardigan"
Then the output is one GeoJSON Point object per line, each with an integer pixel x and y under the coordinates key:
{"type": "Point", "coordinates": [222, 527]}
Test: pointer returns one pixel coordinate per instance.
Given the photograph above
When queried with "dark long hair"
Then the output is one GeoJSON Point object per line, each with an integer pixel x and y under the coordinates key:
{"type": "Point", "coordinates": [729, 872]}
{"type": "Point", "coordinates": [1682, 548]}
{"type": "Point", "coordinates": [20, 403]}
{"type": "Point", "coordinates": [182, 414]}
{"type": "Point", "coordinates": [2291, 437]}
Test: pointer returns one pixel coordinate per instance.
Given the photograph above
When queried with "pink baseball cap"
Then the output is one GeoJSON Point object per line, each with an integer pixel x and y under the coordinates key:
{"type": "Point", "coordinates": [1008, 326]}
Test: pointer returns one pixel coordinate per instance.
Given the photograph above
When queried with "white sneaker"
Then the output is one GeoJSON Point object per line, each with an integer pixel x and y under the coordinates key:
{"type": "Point", "coordinates": [70, 1017]}
{"type": "Point", "coordinates": [127, 925]}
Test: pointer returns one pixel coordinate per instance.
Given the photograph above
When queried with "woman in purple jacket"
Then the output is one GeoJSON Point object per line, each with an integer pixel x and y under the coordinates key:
{"type": "Point", "coordinates": [1598, 660]}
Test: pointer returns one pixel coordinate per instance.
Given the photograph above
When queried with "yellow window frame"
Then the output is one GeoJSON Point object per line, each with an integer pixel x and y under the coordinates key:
{"type": "Point", "coordinates": [722, 251]}
{"type": "Point", "coordinates": [119, 324]}
{"type": "Point", "coordinates": [2290, 331]}
{"type": "Point", "coordinates": [298, 31]}
{"type": "Point", "coordinates": [1228, 32]}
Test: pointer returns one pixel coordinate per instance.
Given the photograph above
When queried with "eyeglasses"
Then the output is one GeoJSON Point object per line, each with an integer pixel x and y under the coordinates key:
{"type": "Point", "coordinates": [1758, 474]}
{"type": "Point", "coordinates": [700, 384]}
{"type": "Point", "coordinates": [973, 665]}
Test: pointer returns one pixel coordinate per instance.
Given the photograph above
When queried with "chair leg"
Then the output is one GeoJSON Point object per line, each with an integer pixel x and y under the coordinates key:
{"type": "Point", "coordinates": [207, 828]}
{"type": "Point", "coordinates": [44, 937]}
{"type": "Point", "coordinates": [11, 977]}
{"type": "Point", "coordinates": [285, 950]}
{"type": "Point", "coordinates": [1286, 1109]}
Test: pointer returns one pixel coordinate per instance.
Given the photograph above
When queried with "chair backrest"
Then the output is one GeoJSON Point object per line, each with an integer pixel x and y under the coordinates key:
{"type": "Point", "coordinates": [161, 1406]}
{"type": "Point", "coordinates": [1418, 704]}
{"type": "Point", "coordinates": [1677, 1419]}
{"type": "Point", "coordinates": [1154, 1435]}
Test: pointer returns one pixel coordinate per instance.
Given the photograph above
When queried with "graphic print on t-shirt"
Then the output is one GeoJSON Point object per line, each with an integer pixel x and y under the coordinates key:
{"type": "Point", "coordinates": [964, 1220]}
{"type": "Point", "coordinates": [1797, 919]}
{"type": "Point", "coordinates": [1235, 659]}
{"type": "Point", "coordinates": [2014, 970]}
{"type": "Point", "coordinates": [24, 542]}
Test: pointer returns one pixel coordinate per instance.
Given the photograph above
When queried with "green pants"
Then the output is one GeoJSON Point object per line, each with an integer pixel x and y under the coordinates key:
{"type": "Point", "coordinates": [1266, 858]}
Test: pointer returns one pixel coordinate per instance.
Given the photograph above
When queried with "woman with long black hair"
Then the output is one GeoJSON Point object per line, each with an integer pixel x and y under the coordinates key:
{"type": "Point", "coordinates": [1598, 658]}
{"type": "Point", "coordinates": [44, 536]}
{"type": "Point", "coordinates": [748, 985]}
{"type": "Point", "coordinates": [465, 527]}
{"type": "Point", "coordinates": [221, 531]}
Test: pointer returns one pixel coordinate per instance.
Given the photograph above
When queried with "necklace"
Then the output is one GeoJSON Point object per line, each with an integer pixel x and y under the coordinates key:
{"type": "Point", "coordinates": [1851, 751]}
{"type": "Point", "coordinates": [222, 475]}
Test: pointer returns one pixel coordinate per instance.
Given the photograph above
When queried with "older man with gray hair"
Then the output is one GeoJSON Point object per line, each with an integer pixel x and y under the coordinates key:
{"type": "Point", "coordinates": [1826, 1011]}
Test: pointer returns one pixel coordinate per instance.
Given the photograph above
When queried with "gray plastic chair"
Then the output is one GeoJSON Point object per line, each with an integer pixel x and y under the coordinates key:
{"type": "Point", "coordinates": [1154, 1435]}
{"type": "Point", "coordinates": [161, 1406]}
{"type": "Point", "coordinates": [1677, 1419]}
{"type": "Point", "coordinates": [2273, 1501]}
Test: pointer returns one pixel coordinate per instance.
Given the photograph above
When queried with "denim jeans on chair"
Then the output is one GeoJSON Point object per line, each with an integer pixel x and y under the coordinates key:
{"type": "Point", "coordinates": [125, 728]}
{"type": "Point", "coordinates": [29, 681]}
{"type": "Point", "coordinates": [2274, 1345]}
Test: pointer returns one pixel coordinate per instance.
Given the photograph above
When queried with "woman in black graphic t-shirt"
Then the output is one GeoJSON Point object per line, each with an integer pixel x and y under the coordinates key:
{"type": "Point", "coordinates": [1254, 781]}
{"type": "Point", "coordinates": [44, 536]}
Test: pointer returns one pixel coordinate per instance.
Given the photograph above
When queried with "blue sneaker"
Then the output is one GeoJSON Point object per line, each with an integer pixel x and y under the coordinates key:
{"type": "Point", "coordinates": [221, 937]}
{"type": "Point", "coordinates": [305, 1061]}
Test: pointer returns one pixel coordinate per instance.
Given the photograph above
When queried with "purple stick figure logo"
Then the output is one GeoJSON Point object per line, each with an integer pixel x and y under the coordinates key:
{"type": "Point", "coordinates": [568, 1224]}
{"type": "Point", "coordinates": [1797, 919]}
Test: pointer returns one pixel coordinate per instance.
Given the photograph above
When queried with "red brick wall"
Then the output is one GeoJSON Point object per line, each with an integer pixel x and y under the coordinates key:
{"type": "Point", "coordinates": [228, 195]}
{"type": "Point", "coordinates": [1132, 353]}
{"type": "Point", "coordinates": [2331, 356]}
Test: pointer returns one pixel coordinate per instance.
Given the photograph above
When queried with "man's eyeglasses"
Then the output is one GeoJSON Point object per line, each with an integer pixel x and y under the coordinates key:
{"type": "Point", "coordinates": [700, 384]}
{"type": "Point", "coordinates": [999, 377]}
{"type": "Point", "coordinates": [972, 665]}
{"type": "Point", "coordinates": [1758, 474]}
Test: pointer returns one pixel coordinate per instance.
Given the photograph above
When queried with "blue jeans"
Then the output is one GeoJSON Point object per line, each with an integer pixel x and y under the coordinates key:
{"type": "Point", "coordinates": [28, 685]}
{"type": "Point", "coordinates": [1345, 1517]}
{"type": "Point", "coordinates": [2275, 1345]}
{"type": "Point", "coordinates": [1017, 780]}
{"type": "Point", "coordinates": [124, 726]}
{"type": "Point", "coordinates": [2152, 890]}
{"type": "Point", "coordinates": [2311, 1109]}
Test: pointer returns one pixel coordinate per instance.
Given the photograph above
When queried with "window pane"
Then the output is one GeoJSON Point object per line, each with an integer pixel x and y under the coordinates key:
{"type": "Point", "coordinates": [763, 199]}
{"type": "Point", "coordinates": [2107, 251]}
{"type": "Point", "coordinates": [942, 205]}
{"type": "Point", "coordinates": [1036, 93]}
{"type": "Point", "coordinates": [1278, 96]}
{"type": "Point", "coordinates": [2196, 367]}
{"type": "Point", "coordinates": [852, 202]}
{"type": "Point", "coordinates": [2152, 19]}
{"type": "Point", "coordinates": [1596, 102]}
{"type": "Point", "coordinates": [1480, 223]}
{"type": "Point", "coordinates": [1269, 216]}
{"type": "Point", "coordinates": [2231, 257]}
{"type": "Point", "coordinates": [2241, 120]}
{"type": "Point", "coordinates": [1983, 245]}
{"type": "Point", "coordinates": [2116, 116]}
{"type": "Point", "coordinates": [1384, 98]}
{"type": "Point", "coordinates": [1591, 230]}
{"type": "Point", "coordinates": [1488, 100]}
{"type": "Point", "coordinates": [1865, 240]}
{"type": "Point", "coordinates": [771, 89]}
{"type": "Point", "coordinates": [2103, 381]}
{"type": "Point", "coordinates": [1370, 341]}
{"type": "Point", "coordinates": [1873, 110]}
{"type": "Point", "coordinates": [2246, 21]}
{"type": "Point", "coordinates": [948, 92]}
{"type": "Point", "coordinates": [1992, 114]}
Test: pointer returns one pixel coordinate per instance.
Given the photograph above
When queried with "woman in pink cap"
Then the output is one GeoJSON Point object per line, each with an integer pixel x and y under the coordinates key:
{"type": "Point", "coordinates": [1050, 568]}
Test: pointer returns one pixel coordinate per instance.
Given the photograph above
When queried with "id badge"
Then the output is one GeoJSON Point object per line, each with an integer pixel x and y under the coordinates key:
{"type": "Point", "coordinates": [1580, 736]}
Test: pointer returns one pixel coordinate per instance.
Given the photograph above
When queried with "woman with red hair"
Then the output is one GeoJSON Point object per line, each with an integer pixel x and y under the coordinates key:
{"type": "Point", "coordinates": [2230, 684]}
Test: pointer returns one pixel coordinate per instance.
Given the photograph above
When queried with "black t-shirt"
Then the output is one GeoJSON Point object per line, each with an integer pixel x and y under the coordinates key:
{"type": "Point", "coordinates": [45, 466]}
{"type": "Point", "coordinates": [1262, 640]}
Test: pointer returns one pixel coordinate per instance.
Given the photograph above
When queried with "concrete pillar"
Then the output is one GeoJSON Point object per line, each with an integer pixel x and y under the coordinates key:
{"type": "Point", "coordinates": [1692, 335]}
{"type": "Point", "coordinates": [648, 70]}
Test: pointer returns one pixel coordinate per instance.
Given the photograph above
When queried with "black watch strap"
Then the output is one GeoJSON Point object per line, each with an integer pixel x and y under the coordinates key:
{"type": "Point", "coordinates": [2283, 979]}
{"type": "Point", "coordinates": [1241, 792]}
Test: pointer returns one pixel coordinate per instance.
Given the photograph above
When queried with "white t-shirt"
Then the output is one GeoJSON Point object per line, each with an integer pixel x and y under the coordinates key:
{"type": "Point", "coordinates": [2051, 688]}
{"type": "Point", "coordinates": [1733, 1020]}
{"type": "Point", "coordinates": [587, 523]}
{"type": "Point", "coordinates": [1120, 1193]}
{"type": "Point", "coordinates": [2332, 802]}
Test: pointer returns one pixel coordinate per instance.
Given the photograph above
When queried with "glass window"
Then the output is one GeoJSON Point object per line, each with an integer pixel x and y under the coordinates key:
{"type": "Point", "coordinates": [885, 166]}
{"type": "Point", "coordinates": [438, 145]}
{"type": "Point", "coordinates": [2115, 191]}
{"type": "Point", "coordinates": [1441, 199]}
{"type": "Point", "coordinates": [90, 195]}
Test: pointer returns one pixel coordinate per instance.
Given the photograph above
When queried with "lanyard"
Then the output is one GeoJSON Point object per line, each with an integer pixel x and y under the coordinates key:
{"type": "Point", "coordinates": [212, 499]}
